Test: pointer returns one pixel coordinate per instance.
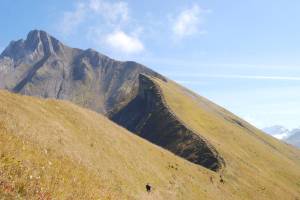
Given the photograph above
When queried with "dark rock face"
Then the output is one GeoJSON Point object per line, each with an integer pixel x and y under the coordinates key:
{"type": "Point", "coordinates": [42, 66]}
{"type": "Point", "coordinates": [149, 116]}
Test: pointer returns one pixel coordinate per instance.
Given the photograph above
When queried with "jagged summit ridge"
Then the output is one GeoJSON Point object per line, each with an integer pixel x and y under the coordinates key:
{"type": "Point", "coordinates": [42, 66]}
{"type": "Point", "coordinates": [37, 44]}
{"type": "Point", "coordinates": [36, 38]}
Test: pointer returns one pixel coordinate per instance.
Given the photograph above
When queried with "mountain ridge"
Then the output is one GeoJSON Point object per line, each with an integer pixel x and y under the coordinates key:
{"type": "Point", "coordinates": [43, 66]}
{"type": "Point", "coordinates": [142, 114]}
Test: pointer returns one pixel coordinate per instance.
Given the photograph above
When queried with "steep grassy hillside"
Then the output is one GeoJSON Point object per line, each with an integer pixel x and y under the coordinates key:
{"type": "Point", "coordinates": [257, 165]}
{"type": "Point", "coordinates": [149, 116]}
{"type": "Point", "coordinates": [53, 149]}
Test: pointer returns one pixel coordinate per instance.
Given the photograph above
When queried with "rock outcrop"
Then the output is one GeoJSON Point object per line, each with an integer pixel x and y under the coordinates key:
{"type": "Point", "coordinates": [149, 116]}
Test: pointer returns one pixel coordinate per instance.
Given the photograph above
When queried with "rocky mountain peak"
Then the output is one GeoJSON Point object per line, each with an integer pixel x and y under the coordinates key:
{"type": "Point", "coordinates": [277, 131]}
{"type": "Point", "coordinates": [37, 38]}
{"type": "Point", "coordinates": [38, 43]}
{"type": "Point", "coordinates": [42, 66]}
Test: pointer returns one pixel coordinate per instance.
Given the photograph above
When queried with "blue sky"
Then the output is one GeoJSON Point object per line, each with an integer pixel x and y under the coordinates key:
{"type": "Point", "coordinates": [243, 55]}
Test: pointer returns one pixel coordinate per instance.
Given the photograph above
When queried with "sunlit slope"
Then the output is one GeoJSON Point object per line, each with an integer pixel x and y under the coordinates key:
{"type": "Point", "coordinates": [53, 149]}
{"type": "Point", "coordinates": [257, 165]}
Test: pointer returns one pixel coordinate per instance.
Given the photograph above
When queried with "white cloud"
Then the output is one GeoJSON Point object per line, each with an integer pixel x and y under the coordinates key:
{"type": "Point", "coordinates": [71, 19]}
{"type": "Point", "coordinates": [105, 23]}
{"type": "Point", "coordinates": [287, 78]}
{"type": "Point", "coordinates": [234, 76]}
{"type": "Point", "coordinates": [115, 13]}
{"type": "Point", "coordinates": [123, 42]}
{"type": "Point", "coordinates": [188, 22]}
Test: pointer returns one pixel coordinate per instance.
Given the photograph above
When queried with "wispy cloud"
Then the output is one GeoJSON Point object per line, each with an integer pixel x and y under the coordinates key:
{"type": "Point", "coordinates": [115, 13]}
{"type": "Point", "coordinates": [72, 19]}
{"type": "Point", "coordinates": [105, 23]}
{"type": "Point", "coordinates": [195, 64]}
{"type": "Point", "coordinates": [256, 77]}
{"type": "Point", "coordinates": [189, 21]}
{"type": "Point", "coordinates": [289, 78]}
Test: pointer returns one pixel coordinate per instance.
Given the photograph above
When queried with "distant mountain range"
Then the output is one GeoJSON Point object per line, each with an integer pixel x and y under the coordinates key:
{"type": "Point", "coordinates": [280, 132]}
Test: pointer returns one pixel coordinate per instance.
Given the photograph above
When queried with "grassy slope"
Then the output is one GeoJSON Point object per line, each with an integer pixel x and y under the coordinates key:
{"type": "Point", "coordinates": [258, 166]}
{"type": "Point", "coordinates": [53, 149]}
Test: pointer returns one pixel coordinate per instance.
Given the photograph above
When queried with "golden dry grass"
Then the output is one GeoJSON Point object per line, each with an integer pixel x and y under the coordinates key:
{"type": "Point", "coordinates": [257, 165]}
{"type": "Point", "coordinates": [55, 150]}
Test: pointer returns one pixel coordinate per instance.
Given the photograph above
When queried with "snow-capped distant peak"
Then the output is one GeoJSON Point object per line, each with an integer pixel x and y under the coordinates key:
{"type": "Point", "coordinates": [277, 131]}
{"type": "Point", "coordinates": [280, 132]}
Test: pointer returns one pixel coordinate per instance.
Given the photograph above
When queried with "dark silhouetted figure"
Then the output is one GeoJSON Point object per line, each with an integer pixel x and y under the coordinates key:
{"type": "Point", "coordinates": [221, 179]}
{"type": "Point", "coordinates": [148, 187]}
{"type": "Point", "coordinates": [211, 179]}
